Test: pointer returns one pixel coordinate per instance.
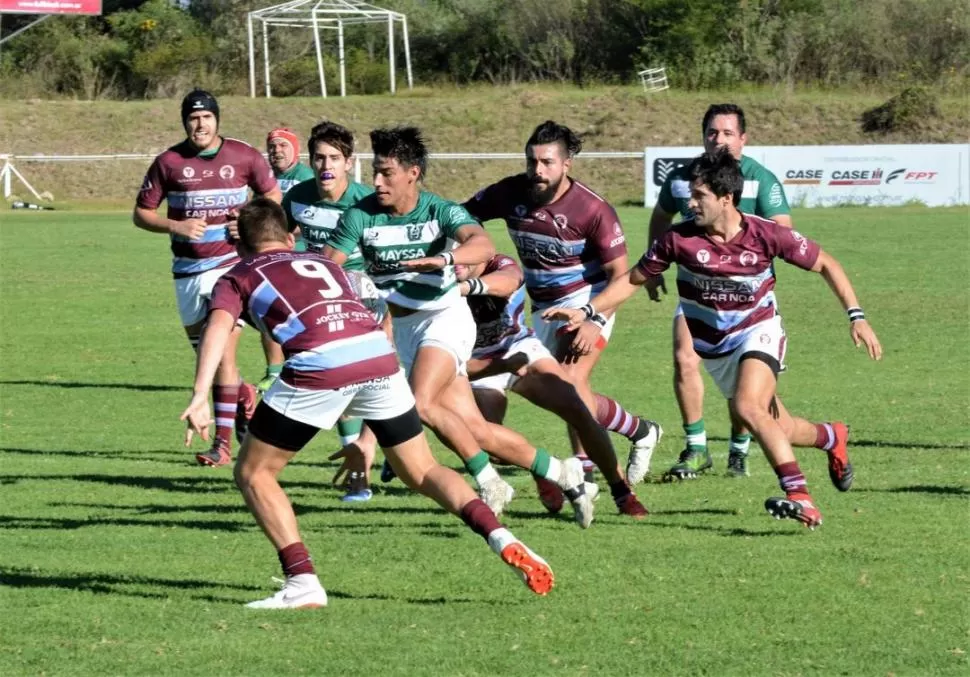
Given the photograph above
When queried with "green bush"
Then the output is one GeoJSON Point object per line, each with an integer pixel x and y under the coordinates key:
{"type": "Point", "coordinates": [908, 110]}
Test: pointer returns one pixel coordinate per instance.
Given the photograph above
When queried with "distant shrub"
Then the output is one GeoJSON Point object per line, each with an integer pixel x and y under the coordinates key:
{"type": "Point", "coordinates": [906, 111]}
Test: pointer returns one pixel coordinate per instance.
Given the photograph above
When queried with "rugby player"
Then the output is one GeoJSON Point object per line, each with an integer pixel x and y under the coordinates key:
{"type": "Point", "coordinates": [763, 195]}
{"type": "Point", "coordinates": [496, 296]}
{"type": "Point", "coordinates": [283, 152]}
{"type": "Point", "coordinates": [204, 179]}
{"type": "Point", "coordinates": [724, 260]}
{"type": "Point", "coordinates": [405, 236]}
{"type": "Point", "coordinates": [338, 359]}
{"type": "Point", "coordinates": [313, 208]}
{"type": "Point", "coordinates": [571, 245]}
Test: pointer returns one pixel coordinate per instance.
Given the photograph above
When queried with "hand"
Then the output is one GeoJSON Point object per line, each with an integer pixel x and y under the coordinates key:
{"type": "Point", "coordinates": [654, 285]}
{"type": "Point", "coordinates": [232, 225]}
{"type": "Point", "coordinates": [423, 265]}
{"type": "Point", "coordinates": [584, 339]}
{"type": "Point", "coordinates": [354, 463]}
{"type": "Point", "coordinates": [573, 317]}
{"type": "Point", "coordinates": [193, 229]}
{"type": "Point", "coordinates": [197, 417]}
{"type": "Point", "coordinates": [861, 332]}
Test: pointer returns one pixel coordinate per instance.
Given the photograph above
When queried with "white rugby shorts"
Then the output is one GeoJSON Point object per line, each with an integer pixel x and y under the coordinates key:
{"type": "Point", "coordinates": [452, 329]}
{"type": "Point", "coordinates": [376, 400]}
{"type": "Point", "coordinates": [192, 294]}
{"type": "Point", "coordinates": [531, 347]}
{"type": "Point", "coordinates": [767, 338]}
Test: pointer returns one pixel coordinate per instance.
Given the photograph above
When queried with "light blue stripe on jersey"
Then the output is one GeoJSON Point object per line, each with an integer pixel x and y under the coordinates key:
{"type": "Point", "coordinates": [560, 277]}
{"type": "Point", "coordinates": [184, 266]}
{"type": "Point", "coordinates": [342, 353]}
{"type": "Point", "coordinates": [730, 343]}
{"type": "Point", "coordinates": [212, 234]}
{"type": "Point", "coordinates": [723, 320]}
{"type": "Point", "coordinates": [545, 243]}
{"type": "Point", "coordinates": [216, 198]}
{"type": "Point", "coordinates": [259, 304]}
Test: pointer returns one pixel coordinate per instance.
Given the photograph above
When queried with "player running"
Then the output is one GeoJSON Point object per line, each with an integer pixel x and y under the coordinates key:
{"type": "Point", "coordinates": [205, 179]}
{"type": "Point", "coordinates": [509, 356]}
{"type": "Point", "coordinates": [283, 153]}
{"type": "Point", "coordinates": [337, 359]}
{"type": "Point", "coordinates": [724, 259]}
{"type": "Point", "coordinates": [763, 195]}
{"type": "Point", "coordinates": [313, 208]}
{"type": "Point", "coordinates": [571, 245]}
{"type": "Point", "coordinates": [405, 235]}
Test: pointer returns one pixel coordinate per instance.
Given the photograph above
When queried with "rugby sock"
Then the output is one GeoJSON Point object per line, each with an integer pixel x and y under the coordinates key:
{"type": "Point", "coordinates": [546, 466]}
{"type": "Point", "coordinates": [791, 479]}
{"type": "Point", "coordinates": [274, 369]}
{"type": "Point", "coordinates": [615, 418]}
{"type": "Point", "coordinates": [824, 436]}
{"type": "Point", "coordinates": [295, 560]}
{"type": "Point", "coordinates": [620, 490]}
{"type": "Point", "coordinates": [349, 430]}
{"type": "Point", "coordinates": [224, 401]}
{"type": "Point", "coordinates": [479, 518]}
{"type": "Point", "coordinates": [740, 443]}
{"type": "Point", "coordinates": [480, 468]}
{"type": "Point", "coordinates": [696, 436]}
{"type": "Point", "coordinates": [588, 465]}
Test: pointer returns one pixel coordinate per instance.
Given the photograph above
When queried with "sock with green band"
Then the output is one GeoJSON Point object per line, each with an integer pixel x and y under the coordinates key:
{"type": "Point", "coordinates": [349, 430]}
{"type": "Point", "coordinates": [696, 436]}
{"type": "Point", "coordinates": [480, 468]}
{"type": "Point", "coordinates": [546, 466]}
{"type": "Point", "coordinates": [274, 369]}
{"type": "Point", "coordinates": [740, 443]}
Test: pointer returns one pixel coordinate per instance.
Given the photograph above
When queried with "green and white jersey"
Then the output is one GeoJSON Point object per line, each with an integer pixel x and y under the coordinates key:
{"type": "Point", "coordinates": [317, 218]}
{"type": "Point", "coordinates": [386, 240]}
{"type": "Point", "coordinates": [292, 176]}
{"type": "Point", "coordinates": [763, 194]}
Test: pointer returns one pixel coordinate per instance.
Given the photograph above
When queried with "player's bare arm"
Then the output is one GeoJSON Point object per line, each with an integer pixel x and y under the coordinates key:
{"type": "Point", "coordinates": [783, 220]}
{"type": "Point", "coordinates": [475, 246]}
{"type": "Point", "coordinates": [153, 222]}
{"type": "Point", "coordinates": [501, 283]}
{"type": "Point", "coordinates": [334, 255]}
{"type": "Point", "coordinates": [660, 222]}
{"type": "Point", "coordinates": [211, 349]}
{"type": "Point", "coordinates": [859, 329]}
{"type": "Point", "coordinates": [616, 292]}
{"type": "Point", "coordinates": [276, 195]}
{"type": "Point", "coordinates": [588, 332]}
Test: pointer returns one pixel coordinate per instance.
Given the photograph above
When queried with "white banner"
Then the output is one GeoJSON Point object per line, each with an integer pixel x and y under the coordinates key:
{"type": "Point", "coordinates": [936, 175]}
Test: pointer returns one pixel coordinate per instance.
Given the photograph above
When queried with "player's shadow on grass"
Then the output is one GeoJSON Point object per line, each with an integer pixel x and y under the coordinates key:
{"type": "Point", "coordinates": [906, 445]}
{"type": "Point", "coordinates": [71, 523]}
{"type": "Point", "coordinates": [154, 455]}
{"type": "Point", "coordinates": [240, 509]}
{"type": "Point", "coordinates": [144, 387]}
{"type": "Point", "coordinates": [932, 489]}
{"type": "Point", "coordinates": [205, 482]}
{"type": "Point", "coordinates": [110, 584]}
{"type": "Point", "coordinates": [732, 532]}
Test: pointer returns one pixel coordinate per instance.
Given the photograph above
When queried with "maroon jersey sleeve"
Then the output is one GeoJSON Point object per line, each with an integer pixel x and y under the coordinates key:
{"type": "Point", "coordinates": [606, 233]}
{"type": "Point", "coordinates": [658, 258]}
{"type": "Point", "coordinates": [488, 203]}
{"type": "Point", "coordinates": [791, 246]}
{"type": "Point", "coordinates": [152, 188]}
{"type": "Point", "coordinates": [227, 295]}
{"type": "Point", "coordinates": [261, 177]}
{"type": "Point", "coordinates": [502, 262]}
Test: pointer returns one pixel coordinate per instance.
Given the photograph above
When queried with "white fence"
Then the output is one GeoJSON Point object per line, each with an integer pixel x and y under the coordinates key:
{"type": "Point", "coordinates": [813, 176]}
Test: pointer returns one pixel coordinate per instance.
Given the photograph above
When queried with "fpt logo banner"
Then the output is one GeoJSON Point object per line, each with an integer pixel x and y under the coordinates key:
{"type": "Point", "coordinates": [51, 6]}
{"type": "Point", "coordinates": [824, 176]}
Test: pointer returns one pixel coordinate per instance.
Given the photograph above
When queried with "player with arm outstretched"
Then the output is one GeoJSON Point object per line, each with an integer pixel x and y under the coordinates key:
{"type": "Point", "coordinates": [724, 272]}
{"type": "Point", "coordinates": [337, 359]}
{"type": "Point", "coordinates": [205, 179]}
{"type": "Point", "coordinates": [763, 195]}
{"type": "Point", "coordinates": [406, 235]}
{"type": "Point", "coordinates": [571, 245]}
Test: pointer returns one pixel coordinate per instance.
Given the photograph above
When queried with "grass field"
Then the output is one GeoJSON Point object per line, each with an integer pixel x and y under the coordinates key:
{"type": "Point", "coordinates": [120, 557]}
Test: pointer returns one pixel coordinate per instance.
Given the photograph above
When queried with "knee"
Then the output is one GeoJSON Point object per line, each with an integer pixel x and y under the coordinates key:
{"type": "Point", "coordinates": [685, 359]}
{"type": "Point", "coordinates": [427, 408]}
{"type": "Point", "coordinates": [751, 413]}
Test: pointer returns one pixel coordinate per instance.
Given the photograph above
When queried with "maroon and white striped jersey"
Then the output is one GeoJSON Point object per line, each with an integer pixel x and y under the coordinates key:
{"type": "Point", "coordinates": [305, 302]}
{"type": "Point", "coordinates": [727, 287]}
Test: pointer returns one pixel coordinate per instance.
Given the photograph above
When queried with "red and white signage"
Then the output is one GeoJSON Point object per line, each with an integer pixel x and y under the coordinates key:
{"type": "Point", "coordinates": [51, 6]}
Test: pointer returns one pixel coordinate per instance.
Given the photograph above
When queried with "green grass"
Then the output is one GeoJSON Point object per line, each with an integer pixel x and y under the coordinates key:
{"type": "Point", "coordinates": [480, 119]}
{"type": "Point", "coordinates": [119, 556]}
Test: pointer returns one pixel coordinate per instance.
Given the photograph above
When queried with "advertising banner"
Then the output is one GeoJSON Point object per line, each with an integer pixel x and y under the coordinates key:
{"type": "Point", "coordinates": [51, 6]}
{"type": "Point", "coordinates": [936, 175]}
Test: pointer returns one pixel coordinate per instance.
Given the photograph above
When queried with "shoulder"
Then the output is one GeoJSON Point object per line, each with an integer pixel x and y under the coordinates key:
{"type": "Point", "coordinates": [304, 172]}
{"type": "Point", "coordinates": [358, 191]}
{"type": "Point", "coordinates": [501, 262]}
{"type": "Point", "coordinates": [752, 169]}
{"type": "Point", "coordinates": [583, 192]}
{"type": "Point", "coordinates": [509, 186]}
{"type": "Point", "coordinates": [240, 148]}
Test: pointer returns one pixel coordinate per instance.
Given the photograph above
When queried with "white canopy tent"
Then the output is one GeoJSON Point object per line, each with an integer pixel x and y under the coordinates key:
{"type": "Point", "coordinates": [327, 15]}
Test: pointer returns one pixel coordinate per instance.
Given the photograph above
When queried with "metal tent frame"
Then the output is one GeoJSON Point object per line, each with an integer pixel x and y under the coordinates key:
{"type": "Point", "coordinates": [326, 15]}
